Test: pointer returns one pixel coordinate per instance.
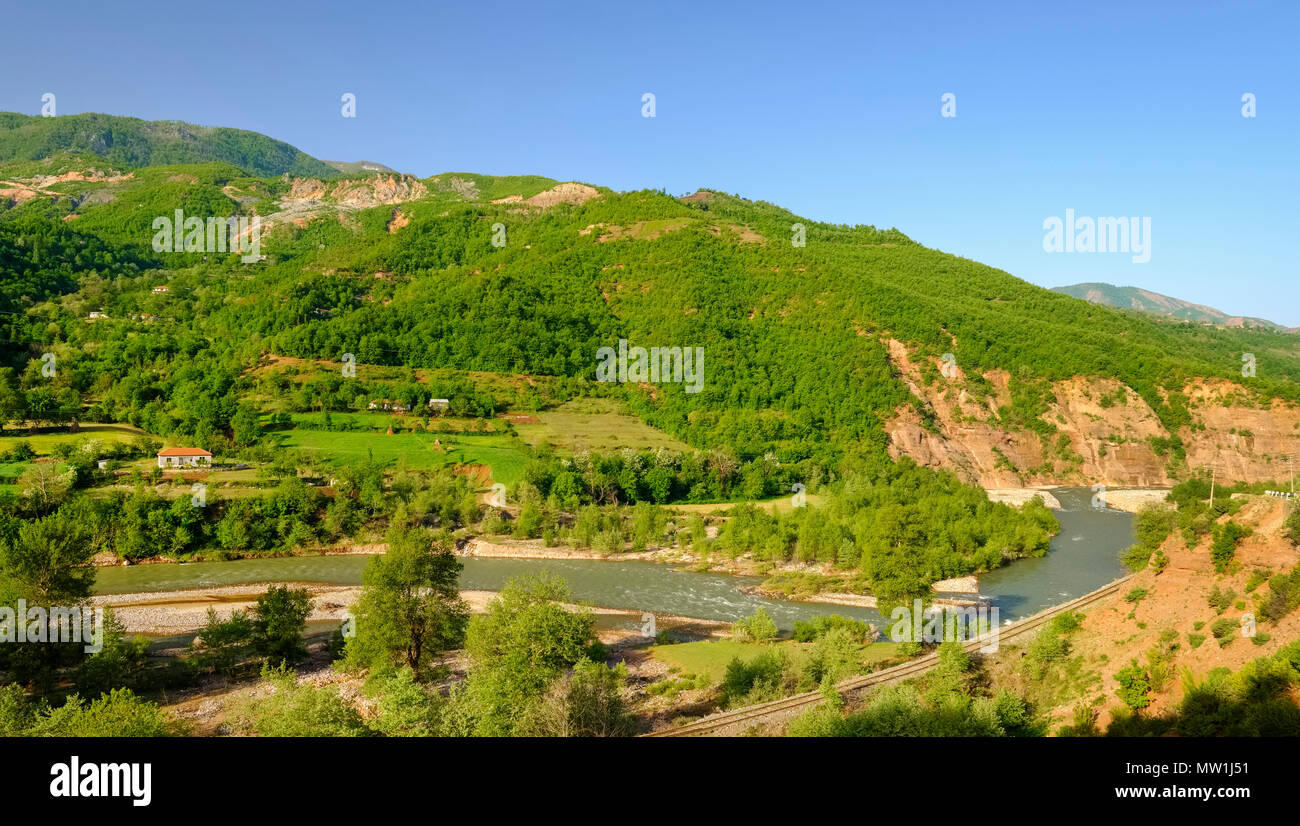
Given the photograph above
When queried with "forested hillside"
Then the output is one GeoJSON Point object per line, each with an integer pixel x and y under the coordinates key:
{"type": "Point", "coordinates": [523, 276]}
{"type": "Point", "coordinates": [134, 142]}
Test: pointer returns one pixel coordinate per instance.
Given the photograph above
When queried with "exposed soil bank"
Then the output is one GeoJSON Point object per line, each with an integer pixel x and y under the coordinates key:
{"type": "Point", "coordinates": [1021, 496]}
{"type": "Point", "coordinates": [1133, 500]}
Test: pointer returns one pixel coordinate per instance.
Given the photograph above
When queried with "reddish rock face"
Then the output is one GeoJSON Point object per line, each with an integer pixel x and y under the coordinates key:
{"type": "Point", "coordinates": [1230, 429]}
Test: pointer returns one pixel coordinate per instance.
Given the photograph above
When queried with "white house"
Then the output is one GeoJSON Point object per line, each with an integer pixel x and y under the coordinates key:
{"type": "Point", "coordinates": [184, 457]}
{"type": "Point", "coordinates": [439, 405]}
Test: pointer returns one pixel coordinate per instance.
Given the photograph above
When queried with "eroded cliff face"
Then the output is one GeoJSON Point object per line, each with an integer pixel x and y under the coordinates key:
{"type": "Point", "coordinates": [1110, 431]}
{"type": "Point", "coordinates": [355, 193]}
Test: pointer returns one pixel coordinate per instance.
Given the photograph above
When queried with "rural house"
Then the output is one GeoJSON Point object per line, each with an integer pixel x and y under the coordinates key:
{"type": "Point", "coordinates": [183, 457]}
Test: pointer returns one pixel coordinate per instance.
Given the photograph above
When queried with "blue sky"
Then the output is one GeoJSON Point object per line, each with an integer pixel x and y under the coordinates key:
{"type": "Point", "coordinates": [832, 110]}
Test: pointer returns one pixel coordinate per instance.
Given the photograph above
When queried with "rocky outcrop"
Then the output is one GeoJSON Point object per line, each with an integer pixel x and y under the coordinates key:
{"type": "Point", "coordinates": [378, 190]}
{"type": "Point", "coordinates": [1114, 437]}
{"type": "Point", "coordinates": [354, 193]}
{"type": "Point", "coordinates": [567, 193]}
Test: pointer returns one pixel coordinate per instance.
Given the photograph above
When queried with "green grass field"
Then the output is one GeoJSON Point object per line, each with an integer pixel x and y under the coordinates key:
{"type": "Point", "coordinates": [380, 421]}
{"type": "Point", "coordinates": [594, 424]}
{"type": "Point", "coordinates": [710, 657]}
{"type": "Point", "coordinates": [783, 504]}
{"type": "Point", "coordinates": [44, 443]}
{"type": "Point", "coordinates": [412, 450]}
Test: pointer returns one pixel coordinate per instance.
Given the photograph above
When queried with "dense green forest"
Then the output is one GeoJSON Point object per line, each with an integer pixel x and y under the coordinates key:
{"type": "Point", "coordinates": [794, 360]}
{"type": "Point", "coordinates": [469, 296]}
{"type": "Point", "coordinates": [133, 142]}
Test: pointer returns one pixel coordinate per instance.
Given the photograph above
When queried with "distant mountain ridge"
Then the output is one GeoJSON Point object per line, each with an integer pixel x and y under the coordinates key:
{"type": "Point", "coordinates": [1136, 298]}
{"type": "Point", "coordinates": [359, 167]}
{"type": "Point", "coordinates": [139, 143]}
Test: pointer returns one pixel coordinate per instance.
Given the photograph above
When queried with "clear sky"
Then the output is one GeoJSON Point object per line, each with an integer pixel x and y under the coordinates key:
{"type": "Point", "coordinates": [831, 110]}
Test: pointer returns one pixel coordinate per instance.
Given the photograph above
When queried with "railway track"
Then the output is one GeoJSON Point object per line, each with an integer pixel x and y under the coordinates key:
{"type": "Point", "coordinates": [747, 718]}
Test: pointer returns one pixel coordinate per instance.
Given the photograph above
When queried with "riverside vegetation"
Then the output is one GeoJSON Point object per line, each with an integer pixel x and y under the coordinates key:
{"type": "Point", "coordinates": [371, 302]}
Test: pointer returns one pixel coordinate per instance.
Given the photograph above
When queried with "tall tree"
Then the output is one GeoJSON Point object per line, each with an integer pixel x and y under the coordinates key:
{"type": "Point", "coordinates": [410, 607]}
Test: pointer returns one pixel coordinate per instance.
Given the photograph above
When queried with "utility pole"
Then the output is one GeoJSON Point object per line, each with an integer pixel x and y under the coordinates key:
{"type": "Point", "coordinates": [1213, 467]}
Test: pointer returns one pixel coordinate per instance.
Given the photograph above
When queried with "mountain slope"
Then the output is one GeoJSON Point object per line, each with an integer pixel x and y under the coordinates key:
{"type": "Point", "coordinates": [1136, 298]}
{"type": "Point", "coordinates": [133, 142]}
{"type": "Point", "coordinates": [817, 353]}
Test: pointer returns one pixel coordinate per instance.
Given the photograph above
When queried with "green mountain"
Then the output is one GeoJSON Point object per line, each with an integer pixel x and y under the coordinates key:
{"type": "Point", "coordinates": [1136, 298]}
{"type": "Point", "coordinates": [132, 142]}
{"type": "Point", "coordinates": [810, 351]}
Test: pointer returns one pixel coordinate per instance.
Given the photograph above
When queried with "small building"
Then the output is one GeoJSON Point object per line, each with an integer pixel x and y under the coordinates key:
{"type": "Point", "coordinates": [439, 405]}
{"type": "Point", "coordinates": [160, 289]}
{"type": "Point", "coordinates": [184, 457]}
{"type": "Point", "coordinates": [98, 314]}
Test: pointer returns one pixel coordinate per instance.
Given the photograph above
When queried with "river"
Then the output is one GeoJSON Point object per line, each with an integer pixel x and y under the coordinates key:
{"type": "Point", "coordinates": [1084, 556]}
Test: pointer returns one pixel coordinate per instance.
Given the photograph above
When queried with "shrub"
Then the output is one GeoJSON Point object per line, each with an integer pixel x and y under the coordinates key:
{"type": "Point", "coordinates": [1283, 596]}
{"type": "Point", "coordinates": [1220, 600]}
{"type": "Point", "coordinates": [759, 627]}
{"type": "Point", "coordinates": [1137, 557]}
{"type": "Point", "coordinates": [762, 678]}
{"type": "Point", "coordinates": [1224, 545]}
{"type": "Point", "coordinates": [835, 655]}
{"type": "Point", "coordinates": [1256, 578]}
{"type": "Point", "coordinates": [293, 710]}
{"type": "Point", "coordinates": [404, 708]}
{"type": "Point", "coordinates": [117, 714]}
{"type": "Point", "coordinates": [589, 703]}
{"type": "Point", "coordinates": [278, 620]}
{"type": "Point", "coordinates": [1134, 686]}
{"type": "Point", "coordinates": [1159, 561]}
{"type": "Point", "coordinates": [1136, 595]}
{"type": "Point", "coordinates": [1224, 630]}
{"type": "Point", "coordinates": [810, 630]}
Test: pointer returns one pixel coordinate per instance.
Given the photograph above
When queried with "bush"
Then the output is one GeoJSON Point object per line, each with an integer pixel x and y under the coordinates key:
{"type": "Point", "coordinates": [1224, 545]}
{"type": "Point", "coordinates": [1256, 578]}
{"type": "Point", "coordinates": [759, 627]}
{"type": "Point", "coordinates": [404, 708]}
{"type": "Point", "coordinates": [1283, 596]}
{"type": "Point", "coordinates": [813, 629]}
{"type": "Point", "coordinates": [222, 646]}
{"type": "Point", "coordinates": [293, 710]}
{"type": "Point", "coordinates": [835, 655]}
{"type": "Point", "coordinates": [279, 618]}
{"type": "Point", "coordinates": [1134, 686]}
{"type": "Point", "coordinates": [762, 678]}
{"type": "Point", "coordinates": [588, 703]}
{"type": "Point", "coordinates": [116, 714]}
{"type": "Point", "coordinates": [1224, 630]}
{"type": "Point", "coordinates": [1136, 558]}
{"type": "Point", "coordinates": [1221, 600]}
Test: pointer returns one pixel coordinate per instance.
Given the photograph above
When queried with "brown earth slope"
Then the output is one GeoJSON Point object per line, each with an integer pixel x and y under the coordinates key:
{"type": "Point", "coordinates": [1176, 604]}
{"type": "Point", "coordinates": [1109, 442]}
